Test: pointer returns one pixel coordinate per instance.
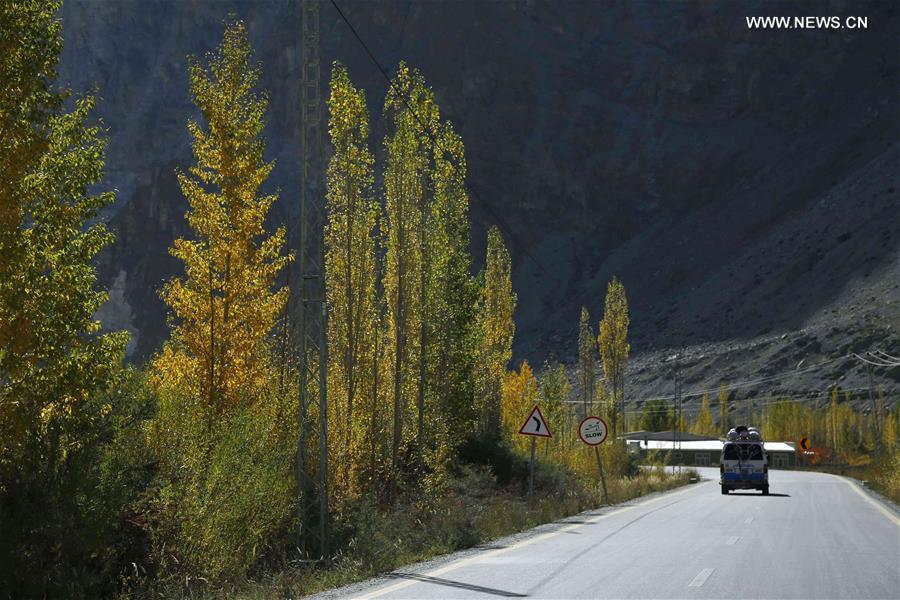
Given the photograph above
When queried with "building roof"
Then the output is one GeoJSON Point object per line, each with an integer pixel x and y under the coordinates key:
{"type": "Point", "coordinates": [706, 445]}
{"type": "Point", "coordinates": [666, 435]}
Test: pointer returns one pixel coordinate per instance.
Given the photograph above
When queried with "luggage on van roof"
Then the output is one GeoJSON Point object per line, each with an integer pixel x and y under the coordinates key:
{"type": "Point", "coordinates": [742, 433]}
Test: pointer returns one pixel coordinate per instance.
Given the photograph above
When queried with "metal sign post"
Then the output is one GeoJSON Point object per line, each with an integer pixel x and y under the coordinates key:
{"type": "Point", "coordinates": [593, 432]}
{"type": "Point", "coordinates": [535, 426]}
{"type": "Point", "coordinates": [531, 476]}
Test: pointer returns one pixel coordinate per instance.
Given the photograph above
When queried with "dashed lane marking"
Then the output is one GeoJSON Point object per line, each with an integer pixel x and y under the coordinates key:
{"type": "Point", "coordinates": [701, 578]}
{"type": "Point", "coordinates": [732, 540]}
{"type": "Point", "coordinates": [748, 520]}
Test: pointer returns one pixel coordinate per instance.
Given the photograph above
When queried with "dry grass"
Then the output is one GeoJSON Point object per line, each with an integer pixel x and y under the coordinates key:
{"type": "Point", "coordinates": [476, 510]}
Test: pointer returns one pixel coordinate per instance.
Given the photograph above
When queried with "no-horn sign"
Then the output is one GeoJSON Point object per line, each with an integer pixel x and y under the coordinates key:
{"type": "Point", "coordinates": [593, 431]}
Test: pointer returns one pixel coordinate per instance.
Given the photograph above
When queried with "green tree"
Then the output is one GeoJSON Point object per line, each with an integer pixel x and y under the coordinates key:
{"type": "Point", "coordinates": [454, 292]}
{"type": "Point", "coordinates": [614, 348]}
{"type": "Point", "coordinates": [553, 395]}
{"type": "Point", "coordinates": [497, 329]}
{"type": "Point", "coordinates": [53, 357]}
{"type": "Point", "coordinates": [657, 415]}
{"type": "Point", "coordinates": [587, 360]}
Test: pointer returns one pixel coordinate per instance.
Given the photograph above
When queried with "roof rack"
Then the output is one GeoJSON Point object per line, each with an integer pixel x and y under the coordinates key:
{"type": "Point", "coordinates": [743, 433]}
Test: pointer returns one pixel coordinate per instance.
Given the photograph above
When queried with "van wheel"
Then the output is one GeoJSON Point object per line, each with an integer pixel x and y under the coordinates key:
{"type": "Point", "coordinates": [766, 491]}
{"type": "Point", "coordinates": [724, 490]}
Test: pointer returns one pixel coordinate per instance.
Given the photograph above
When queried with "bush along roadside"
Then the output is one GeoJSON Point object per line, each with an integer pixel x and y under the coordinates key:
{"type": "Point", "coordinates": [482, 502]}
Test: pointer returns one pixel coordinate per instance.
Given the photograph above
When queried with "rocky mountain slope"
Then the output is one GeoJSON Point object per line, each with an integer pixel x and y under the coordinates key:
{"type": "Point", "coordinates": [742, 183]}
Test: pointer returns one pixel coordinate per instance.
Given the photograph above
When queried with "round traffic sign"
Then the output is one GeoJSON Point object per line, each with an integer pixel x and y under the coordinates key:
{"type": "Point", "coordinates": [593, 431]}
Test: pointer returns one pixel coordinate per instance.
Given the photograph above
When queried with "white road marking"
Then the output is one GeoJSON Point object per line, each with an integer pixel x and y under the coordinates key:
{"type": "Point", "coordinates": [891, 516]}
{"type": "Point", "coordinates": [748, 520]}
{"type": "Point", "coordinates": [526, 542]}
{"type": "Point", "coordinates": [732, 540]}
{"type": "Point", "coordinates": [701, 578]}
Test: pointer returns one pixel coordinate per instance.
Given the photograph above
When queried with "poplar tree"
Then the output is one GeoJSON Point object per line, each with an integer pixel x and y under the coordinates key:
{"type": "Point", "coordinates": [454, 292]}
{"type": "Point", "coordinates": [587, 360]}
{"type": "Point", "coordinates": [405, 177]}
{"type": "Point", "coordinates": [704, 424]}
{"type": "Point", "coordinates": [724, 419]}
{"type": "Point", "coordinates": [350, 268]}
{"type": "Point", "coordinates": [497, 329]}
{"type": "Point", "coordinates": [224, 306]}
{"type": "Point", "coordinates": [553, 396]}
{"type": "Point", "coordinates": [614, 347]}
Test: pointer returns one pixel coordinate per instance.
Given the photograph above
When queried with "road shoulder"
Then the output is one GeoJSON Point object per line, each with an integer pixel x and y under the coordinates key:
{"type": "Point", "coordinates": [377, 585]}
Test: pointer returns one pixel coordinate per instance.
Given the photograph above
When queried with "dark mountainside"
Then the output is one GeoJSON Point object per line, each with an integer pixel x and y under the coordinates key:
{"type": "Point", "coordinates": [742, 183]}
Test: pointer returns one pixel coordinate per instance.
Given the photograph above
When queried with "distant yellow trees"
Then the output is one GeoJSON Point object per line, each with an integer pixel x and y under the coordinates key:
{"type": "Point", "coordinates": [704, 424]}
{"type": "Point", "coordinates": [724, 417]}
{"type": "Point", "coordinates": [614, 349]}
{"type": "Point", "coordinates": [520, 394]}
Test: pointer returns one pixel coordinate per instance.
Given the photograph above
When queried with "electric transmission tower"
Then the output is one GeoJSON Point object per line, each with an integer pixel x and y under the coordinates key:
{"type": "Point", "coordinates": [313, 318]}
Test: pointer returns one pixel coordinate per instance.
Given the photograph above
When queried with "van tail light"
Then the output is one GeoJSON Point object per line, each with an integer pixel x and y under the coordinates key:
{"type": "Point", "coordinates": [765, 468]}
{"type": "Point", "coordinates": [721, 468]}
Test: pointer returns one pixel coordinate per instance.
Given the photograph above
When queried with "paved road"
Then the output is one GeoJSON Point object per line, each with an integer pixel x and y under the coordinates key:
{"type": "Point", "coordinates": [816, 536]}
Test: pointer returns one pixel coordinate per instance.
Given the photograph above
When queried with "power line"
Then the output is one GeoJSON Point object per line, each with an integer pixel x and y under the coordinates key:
{"type": "Point", "coordinates": [761, 401]}
{"type": "Point", "coordinates": [877, 363]}
{"type": "Point", "coordinates": [500, 221]}
{"type": "Point", "coordinates": [749, 382]}
{"type": "Point", "coordinates": [885, 355]}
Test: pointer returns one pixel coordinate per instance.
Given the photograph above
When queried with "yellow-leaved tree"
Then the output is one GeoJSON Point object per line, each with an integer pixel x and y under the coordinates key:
{"type": "Point", "coordinates": [520, 390]}
{"type": "Point", "coordinates": [704, 425]}
{"type": "Point", "coordinates": [225, 306]}
{"type": "Point", "coordinates": [405, 180]}
{"type": "Point", "coordinates": [614, 349]}
{"type": "Point", "coordinates": [350, 277]}
{"type": "Point", "coordinates": [222, 454]}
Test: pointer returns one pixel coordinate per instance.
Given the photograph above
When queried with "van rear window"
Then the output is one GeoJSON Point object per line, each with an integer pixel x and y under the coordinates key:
{"type": "Point", "coordinates": [753, 453]}
{"type": "Point", "coordinates": [742, 452]}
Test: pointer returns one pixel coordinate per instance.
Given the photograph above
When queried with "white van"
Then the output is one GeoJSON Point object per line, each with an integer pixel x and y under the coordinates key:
{"type": "Point", "coordinates": [743, 464]}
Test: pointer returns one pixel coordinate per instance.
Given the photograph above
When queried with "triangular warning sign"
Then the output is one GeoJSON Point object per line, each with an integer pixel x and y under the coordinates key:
{"type": "Point", "coordinates": [535, 424]}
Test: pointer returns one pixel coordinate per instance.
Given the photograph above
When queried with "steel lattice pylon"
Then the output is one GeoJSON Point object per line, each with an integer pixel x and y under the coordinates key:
{"type": "Point", "coordinates": [313, 309]}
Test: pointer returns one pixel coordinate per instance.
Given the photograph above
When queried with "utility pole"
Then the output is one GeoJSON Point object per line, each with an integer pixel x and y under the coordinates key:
{"type": "Point", "coordinates": [313, 307]}
{"type": "Point", "coordinates": [678, 432]}
{"type": "Point", "coordinates": [872, 406]}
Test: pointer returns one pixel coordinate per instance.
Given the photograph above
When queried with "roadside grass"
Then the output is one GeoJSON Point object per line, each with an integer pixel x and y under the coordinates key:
{"type": "Point", "coordinates": [882, 474]}
{"type": "Point", "coordinates": [475, 509]}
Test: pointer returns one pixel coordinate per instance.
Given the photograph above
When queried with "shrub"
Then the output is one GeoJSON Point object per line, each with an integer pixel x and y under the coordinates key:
{"type": "Point", "coordinates": [226, 495]}
{"type": "Point", "coordinates": [65, 527]}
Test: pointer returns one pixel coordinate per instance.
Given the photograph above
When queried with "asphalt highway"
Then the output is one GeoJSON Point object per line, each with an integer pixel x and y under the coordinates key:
{"type": "Point", "coordinates": [816, 536]}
